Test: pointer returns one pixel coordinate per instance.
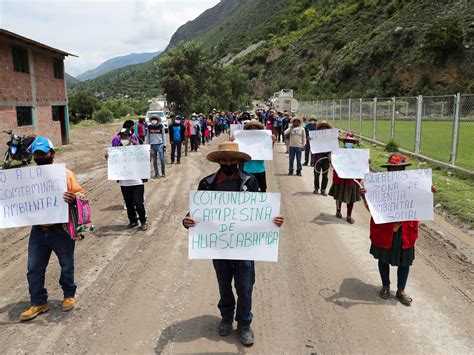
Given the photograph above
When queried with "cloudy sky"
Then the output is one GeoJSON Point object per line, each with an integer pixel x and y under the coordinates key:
{"type": "Point", "coordinates": [101, 29]}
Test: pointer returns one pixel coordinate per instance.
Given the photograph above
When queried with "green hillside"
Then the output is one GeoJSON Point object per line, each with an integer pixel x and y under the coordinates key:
{"type": "Point", "coordinates": [329, 48]}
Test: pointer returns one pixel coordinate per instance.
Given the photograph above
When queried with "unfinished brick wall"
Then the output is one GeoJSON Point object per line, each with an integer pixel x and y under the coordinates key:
{"type": "Point", "coordinates": [16, 90]}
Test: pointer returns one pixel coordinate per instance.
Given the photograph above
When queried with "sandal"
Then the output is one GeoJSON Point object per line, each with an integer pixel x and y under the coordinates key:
{"type": "Point", "coordinates": [350, 220]}
{"type": "Point", "coordinates": [338, 214]}
{"type": "Point", "coordinates": [385, 292]}
{"type": "Point", "coordinates": [404, 299]}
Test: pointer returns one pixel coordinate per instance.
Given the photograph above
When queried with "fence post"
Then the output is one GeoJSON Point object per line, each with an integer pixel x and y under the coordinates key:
{"type": "Point", "coordinates": [374, 120]}
{"type": "Point", "coordinates": [455, 137]}
{"type": "Point", "coordinates": [392, 126]}
{"type": "Point", "coordinates": [350, 114]}
{"type": "Point", "coordinates": [419, 115]}
{"type": "Point", "coordinates": [333, 111]}
{"type": "Point", "coordinates": [360, 117]}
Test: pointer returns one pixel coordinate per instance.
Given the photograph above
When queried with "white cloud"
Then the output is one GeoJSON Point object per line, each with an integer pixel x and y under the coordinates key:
{"type": "Point", "coordinates": [99, 30]}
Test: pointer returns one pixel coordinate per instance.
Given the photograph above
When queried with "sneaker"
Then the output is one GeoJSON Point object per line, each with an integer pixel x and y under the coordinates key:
{"type": "Point", "coordinates": [33, 312]}
{"type": "Point", "coordinates": [178, 162]}
{"type": "Point", "coordinates": [172, 162]}
{"type": "Point", "coordinates": [144, 226]}
{"type": "Point", "coordinates": [299, 174]}
{"type": "Point", "coordinates": [323, 192]}
{"type": "Point", "coordinates": [225, 327]}
{"type": "Point", "coordinates": [68, 304]}
{"type": "Point", "coordinates": [316, 192]}
{"type": "Point", "coordinates": [290, 173]}
{"type": "Point", "coordinates": [156, 176]}
{"type": "Point", "coordinates": [163, 176]}
{"type": "Point", "coordinates": [246, 336]}
{"type": "Point", "coordinates": [132, 225]}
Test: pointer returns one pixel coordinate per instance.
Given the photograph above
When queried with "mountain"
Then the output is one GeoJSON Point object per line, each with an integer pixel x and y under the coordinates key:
{"type": "Point", "coordinates": [332, 49]}
{"type": "Point", "coordinates": [70, 80]}
{"type": "Point", "coordinates": [116, 63]}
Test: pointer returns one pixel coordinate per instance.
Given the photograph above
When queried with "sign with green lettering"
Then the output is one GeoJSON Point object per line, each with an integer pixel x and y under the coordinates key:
{"type": "Point", "coordinates": [234, 225]}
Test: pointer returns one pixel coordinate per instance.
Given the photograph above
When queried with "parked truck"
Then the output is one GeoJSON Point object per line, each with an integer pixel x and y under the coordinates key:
{"type": "Point", "coordinates": [283, 101]}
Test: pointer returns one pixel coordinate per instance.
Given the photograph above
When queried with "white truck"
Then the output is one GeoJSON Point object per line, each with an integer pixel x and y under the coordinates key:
{"type": "Point", "coordinates": [283, 101]}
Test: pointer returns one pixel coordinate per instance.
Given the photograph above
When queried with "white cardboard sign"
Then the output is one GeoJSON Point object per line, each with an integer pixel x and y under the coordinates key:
{"type": "Point", "coordinates": [129, 162]}
{"type": "Point", "coordinates": [236, 127]}
{"type": "Point", "coordinates": [234, 225]}
{"type": "Point", "coordinates": [399, 196]}
{"type": "Point", "coordinates": [324, 140]}
{"type": "Point", "coordinates": [351, 163]}
{"type": "Point", "coordinates": [33, 196]}
{"type": "Point", "coordinates": [256, 143]}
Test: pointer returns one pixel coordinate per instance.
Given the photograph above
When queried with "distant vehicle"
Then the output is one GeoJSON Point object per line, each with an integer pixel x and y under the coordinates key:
{"type": "Point", "coordinates": [161, 115]}
{"type": "Point", "coordinates": [283, 101]}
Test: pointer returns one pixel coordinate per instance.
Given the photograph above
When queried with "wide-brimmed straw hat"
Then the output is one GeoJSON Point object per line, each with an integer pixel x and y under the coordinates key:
{"type": "Point", "coordinates": [228, 150]}
{"type": "Point", "coordinates": [313, 119]}
{"type": "Point", "coordinates": [396, 160]}
{"type": "Point", "coordinates": [296, 119]}
{"type": "Point", "coordinates": [254, 123]}
{"type": "Point", "coordinates": [323, 125]}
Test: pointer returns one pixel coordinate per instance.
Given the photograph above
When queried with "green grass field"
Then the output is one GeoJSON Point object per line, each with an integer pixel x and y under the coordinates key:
{"type": "Point", "coordinates": [435, 138]}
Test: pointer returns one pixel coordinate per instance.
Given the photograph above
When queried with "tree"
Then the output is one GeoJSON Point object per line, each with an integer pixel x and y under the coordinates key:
{"type": "Point", "coordinates": [82, 104]}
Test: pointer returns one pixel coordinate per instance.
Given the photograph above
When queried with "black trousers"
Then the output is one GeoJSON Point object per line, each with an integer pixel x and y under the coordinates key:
{"type": "Point", "coordinates": [307, 151]}
{"type": "Point", "coordinates": [194, 142]}
{"type": "Point", "coordinates": [175, 151]}
{"type": "Point", "coordinates": [262, 181]}
{"type": "Point", "coordinates": [135, 202]}
{"type": "Point", "coordinates": [322, 165]}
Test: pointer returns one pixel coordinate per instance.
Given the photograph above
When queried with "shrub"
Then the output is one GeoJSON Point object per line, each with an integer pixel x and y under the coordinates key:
{"type": "Point", "coordinates": [391, 147]}
{"type": "Point", "coordinates": [103, 116]}
{"type": "Point", "coordinates": [443, 37]}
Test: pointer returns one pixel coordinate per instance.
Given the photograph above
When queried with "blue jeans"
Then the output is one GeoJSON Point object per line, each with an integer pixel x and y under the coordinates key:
{"type": "Point", "coordinates": [295, 152]}
{"type": "Point", "coordinates": [243, 273]}
{"type": "Point", "coordinates": [41, 243]}
{"type": "Point", "coordinates": [402, 274]}
{"type": "Point", "coordinates": [158, 149]}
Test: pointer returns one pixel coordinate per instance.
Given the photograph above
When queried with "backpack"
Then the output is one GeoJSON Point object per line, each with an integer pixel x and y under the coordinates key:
{"type": "Point", "coordinates": [79, 219]}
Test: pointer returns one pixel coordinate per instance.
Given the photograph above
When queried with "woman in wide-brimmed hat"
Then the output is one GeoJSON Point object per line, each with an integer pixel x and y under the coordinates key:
{"type": "Point", "coordinates": [345, 190]}
{"type": "Point", "coordinates": [394, 243]}
{"type": "Point", "coordinates": [321, 164]}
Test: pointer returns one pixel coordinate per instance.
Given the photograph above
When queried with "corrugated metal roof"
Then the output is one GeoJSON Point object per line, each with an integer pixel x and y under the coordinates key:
{"type": "Point", "coordinates": [9, 34]}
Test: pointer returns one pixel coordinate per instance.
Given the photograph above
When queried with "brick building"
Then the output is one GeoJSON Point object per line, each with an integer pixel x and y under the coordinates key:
{"type": "Point", "coordinates": [33, 97]}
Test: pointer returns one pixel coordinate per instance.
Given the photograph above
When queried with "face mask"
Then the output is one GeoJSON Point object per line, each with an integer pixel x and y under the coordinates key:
{"type": "Point", "coordinates": [349, 145]}
{"type": "Point", "coordinates": [44, 161]}
{"type": "Point", "coordinates": [229, 170]}
{"type": "Point", "coordinates": [154, 122]}
{"type": "Point", "coordinates": [177, 121]}
{"type": "Point", "coordinates": [125, 141]}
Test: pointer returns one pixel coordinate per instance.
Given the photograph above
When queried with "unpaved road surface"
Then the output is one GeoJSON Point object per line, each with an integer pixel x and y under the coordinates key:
{"type": "Point", "coordinates": [138, 292]}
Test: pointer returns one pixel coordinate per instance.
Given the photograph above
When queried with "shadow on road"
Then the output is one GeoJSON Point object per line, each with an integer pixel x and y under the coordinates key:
{"type": "Point", "coordinates": [303, 193]}
{"type": "Point", "coordinates": [113, 208]}
{"type": "Point", "coordinates": [326, 218]}
{"type": "Point", "coordinates": [353, 292]}
{"type": "Point", "coordinates": [113, 229]}
{"type": "Point", "coordinates": [189, 330]}
{"type": "Point", "coordinates": [54, 315]}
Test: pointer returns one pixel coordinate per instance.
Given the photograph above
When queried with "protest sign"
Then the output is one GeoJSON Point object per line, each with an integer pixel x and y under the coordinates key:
{"type": "Point", "coordinates": [398, 196]}
{"type": "Point", "coordinates": [234, 225]}
{"type": "Point", "coordinates": [129, 163]}
{"type": "Point", "coordinates": [324, 140]}
{"type": "Point", "coordinates": [351, 163]}
{"type": "Point", "coordinates": [33, 196]}
{"type": "Point", "coordinates": [236, 127]}
{"type": "Point", "coordinates": [256, 143]}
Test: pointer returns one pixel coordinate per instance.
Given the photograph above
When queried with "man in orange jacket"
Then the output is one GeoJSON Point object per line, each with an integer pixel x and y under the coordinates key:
{"type": "Point", "coordinates": [45, 239]}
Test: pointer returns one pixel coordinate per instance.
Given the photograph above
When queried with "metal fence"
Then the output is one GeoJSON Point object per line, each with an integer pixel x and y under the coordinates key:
{"type": "Point", "coordinates": [440, 128]}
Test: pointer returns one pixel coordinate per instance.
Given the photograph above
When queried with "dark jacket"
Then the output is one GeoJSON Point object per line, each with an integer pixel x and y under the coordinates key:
{"type": "Point", "coordinates": [247, 182]}
{"type": "Point", "coordinates": [182, 132]}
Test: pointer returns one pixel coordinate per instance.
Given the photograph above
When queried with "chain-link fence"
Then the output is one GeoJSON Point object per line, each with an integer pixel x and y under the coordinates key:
{"type": "Point", "coordinates": [438, 127]}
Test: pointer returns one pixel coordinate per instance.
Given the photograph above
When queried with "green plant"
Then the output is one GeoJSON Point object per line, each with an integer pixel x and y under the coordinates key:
{"type": "Point", "coordinates": [103, 116]}
{"type": "Point", "coordinates": [443, 37]}
{"type": "Point", "coordinates": [391, 147]}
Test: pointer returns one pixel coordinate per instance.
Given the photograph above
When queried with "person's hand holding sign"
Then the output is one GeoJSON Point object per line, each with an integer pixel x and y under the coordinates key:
{"type": "Point", "coordinates": [69, 197]}
{"type": "Point", "coordinates": [188, 222]}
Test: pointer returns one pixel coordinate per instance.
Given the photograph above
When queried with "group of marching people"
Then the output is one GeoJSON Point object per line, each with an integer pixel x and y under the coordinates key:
{"type": "Point", "coordinates": [391, 243]}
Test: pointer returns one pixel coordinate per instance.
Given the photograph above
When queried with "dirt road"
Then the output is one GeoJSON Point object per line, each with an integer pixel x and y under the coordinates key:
{"type": "Point", "coordinates": [138, 293]}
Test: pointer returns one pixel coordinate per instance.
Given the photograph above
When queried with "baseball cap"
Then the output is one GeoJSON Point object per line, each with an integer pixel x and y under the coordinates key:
{"type": "Point", "coordinates": [43, 144]}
